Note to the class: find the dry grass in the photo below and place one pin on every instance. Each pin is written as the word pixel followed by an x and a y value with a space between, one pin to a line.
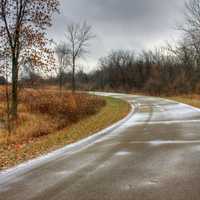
pixel 42 112
pixel 48 121
pixel 190 99
pixel 193 100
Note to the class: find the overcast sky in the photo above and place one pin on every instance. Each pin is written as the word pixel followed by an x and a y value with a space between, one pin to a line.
pixel 127 24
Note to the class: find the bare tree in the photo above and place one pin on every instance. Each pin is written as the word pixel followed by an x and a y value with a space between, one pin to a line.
pixel 78 36
pixel 191 29
pixel 62 53
pixel 22 34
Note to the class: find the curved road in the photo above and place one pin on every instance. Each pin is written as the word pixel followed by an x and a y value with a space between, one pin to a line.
pixel 154 155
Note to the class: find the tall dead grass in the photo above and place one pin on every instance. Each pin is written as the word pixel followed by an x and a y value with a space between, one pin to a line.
pixel 192 99
pixel 43 112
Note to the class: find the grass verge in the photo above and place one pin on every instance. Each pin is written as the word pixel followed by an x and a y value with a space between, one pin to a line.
pixel 190 99
pixel 113 111
pixel 193 100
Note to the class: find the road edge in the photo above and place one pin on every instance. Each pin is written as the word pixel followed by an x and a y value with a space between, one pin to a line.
pixel 24 167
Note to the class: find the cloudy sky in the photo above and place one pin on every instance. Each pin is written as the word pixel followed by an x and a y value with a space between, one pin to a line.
pixel 127 24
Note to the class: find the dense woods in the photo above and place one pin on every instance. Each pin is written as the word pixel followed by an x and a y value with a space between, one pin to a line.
pixel 172 69
pixel 156 72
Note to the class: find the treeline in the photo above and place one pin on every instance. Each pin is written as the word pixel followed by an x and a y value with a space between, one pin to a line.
pixel 165 71
pixel 162 71
pixel 156 72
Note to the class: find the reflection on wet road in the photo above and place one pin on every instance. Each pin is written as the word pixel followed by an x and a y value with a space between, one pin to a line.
pixel 154 155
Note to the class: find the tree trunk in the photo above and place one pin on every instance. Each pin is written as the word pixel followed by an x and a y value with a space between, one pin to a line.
pixel 73 76
pixel 14 103
pixel 8 104
pixel 61 82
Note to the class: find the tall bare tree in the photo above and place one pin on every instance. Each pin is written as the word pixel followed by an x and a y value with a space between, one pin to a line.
pixel 78 36
pixel 22 34
pixel 191 28
pixel 62 53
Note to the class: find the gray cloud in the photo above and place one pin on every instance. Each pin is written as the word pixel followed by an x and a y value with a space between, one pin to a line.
pixel 128 24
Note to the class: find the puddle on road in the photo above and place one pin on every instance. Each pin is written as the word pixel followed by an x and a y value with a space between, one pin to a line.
pixel 122 153
pixel 140 184
pixel 164 142
pixel 64 173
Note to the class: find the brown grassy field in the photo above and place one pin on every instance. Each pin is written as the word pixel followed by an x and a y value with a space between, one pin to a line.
pixel 42 112
pixel 190 99
pixel 48 120
pixel 193 100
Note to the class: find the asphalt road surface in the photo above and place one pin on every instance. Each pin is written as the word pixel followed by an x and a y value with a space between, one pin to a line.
pixel 154 155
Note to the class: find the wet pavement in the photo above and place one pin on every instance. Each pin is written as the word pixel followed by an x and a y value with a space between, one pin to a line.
pixel 154 155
